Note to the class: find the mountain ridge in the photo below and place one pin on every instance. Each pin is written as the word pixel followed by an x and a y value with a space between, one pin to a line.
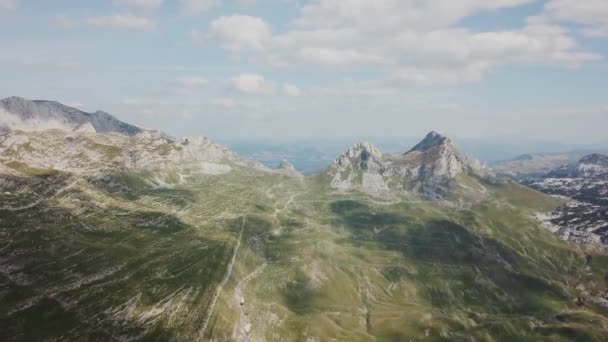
pixel 18 113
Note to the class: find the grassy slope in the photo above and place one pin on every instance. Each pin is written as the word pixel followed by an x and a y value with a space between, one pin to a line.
pixel 125 260
pixel 353 269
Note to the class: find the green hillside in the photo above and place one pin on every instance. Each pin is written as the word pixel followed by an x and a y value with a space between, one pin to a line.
pixel 265 257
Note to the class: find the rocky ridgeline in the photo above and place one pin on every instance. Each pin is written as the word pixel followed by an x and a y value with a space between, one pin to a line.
pixel 584 218
pixel 430 168
pixel 88 154
pixel 21 114
pixel 40 136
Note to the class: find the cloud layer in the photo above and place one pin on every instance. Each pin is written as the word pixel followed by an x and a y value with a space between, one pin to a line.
pixel 412 42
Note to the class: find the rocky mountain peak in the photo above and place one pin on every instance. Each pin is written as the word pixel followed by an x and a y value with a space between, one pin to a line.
pixel 431 140
pixel 430 168
pixel 362 155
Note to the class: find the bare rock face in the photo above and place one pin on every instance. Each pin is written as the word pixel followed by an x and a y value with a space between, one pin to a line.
pixel 363 156
pixel 21 114
pixel 361 167
pixel 436 158
pixel 428 168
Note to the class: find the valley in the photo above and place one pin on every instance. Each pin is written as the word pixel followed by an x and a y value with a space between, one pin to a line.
pixel 189 242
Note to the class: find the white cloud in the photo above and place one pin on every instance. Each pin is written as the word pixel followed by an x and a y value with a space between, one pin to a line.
pixel 121 21
pixel 592 14
pixel 292 90
pixel 191 82
pixel 8 4
pixel 197 6
pixel 410 41
pixel 394 14
pixel 140 4
pixel 240 32
pixel 252 84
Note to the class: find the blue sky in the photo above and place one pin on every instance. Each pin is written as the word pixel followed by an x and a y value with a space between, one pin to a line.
pixel 288 70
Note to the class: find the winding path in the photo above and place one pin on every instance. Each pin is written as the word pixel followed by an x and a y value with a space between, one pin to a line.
pixel 221 285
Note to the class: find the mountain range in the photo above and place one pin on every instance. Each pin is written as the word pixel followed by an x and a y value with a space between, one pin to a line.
pixel 112 232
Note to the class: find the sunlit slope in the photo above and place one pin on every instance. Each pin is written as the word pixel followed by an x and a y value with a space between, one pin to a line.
pixel 252 255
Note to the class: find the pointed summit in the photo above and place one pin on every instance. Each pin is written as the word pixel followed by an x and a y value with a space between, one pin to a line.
pixel 360 167
pixel 361 155
pixel 431 140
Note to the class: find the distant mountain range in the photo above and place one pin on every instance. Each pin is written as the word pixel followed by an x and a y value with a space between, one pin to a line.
pixel 21 114
pixel 536 165
pixel 584 218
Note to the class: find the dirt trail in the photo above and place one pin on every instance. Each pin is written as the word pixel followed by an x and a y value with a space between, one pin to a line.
pixel 221 285
pixel 243 327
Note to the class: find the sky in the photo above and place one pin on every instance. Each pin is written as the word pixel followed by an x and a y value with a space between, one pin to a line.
pixel 283 70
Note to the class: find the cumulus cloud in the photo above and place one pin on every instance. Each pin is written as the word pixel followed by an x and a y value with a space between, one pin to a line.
pixel 121 21
pixel 139 4
pixel 240 32
pixel 252 84
pixel 591 14
pixel 8 4
pixel 411 41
